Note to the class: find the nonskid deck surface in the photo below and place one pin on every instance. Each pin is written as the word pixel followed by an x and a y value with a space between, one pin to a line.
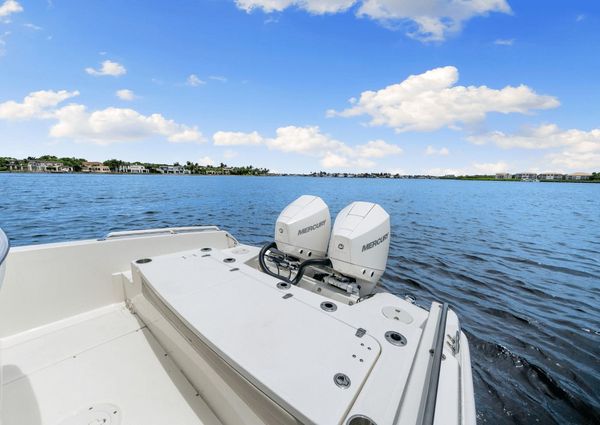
pixel 103 364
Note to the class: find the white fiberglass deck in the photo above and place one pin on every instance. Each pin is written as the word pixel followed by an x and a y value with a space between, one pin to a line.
pixel 104 360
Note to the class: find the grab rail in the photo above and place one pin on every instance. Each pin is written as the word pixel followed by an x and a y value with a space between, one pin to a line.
pixel 157 232
pixel 434 371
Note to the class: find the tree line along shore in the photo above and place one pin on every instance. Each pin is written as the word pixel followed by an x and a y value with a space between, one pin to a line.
pixel 53 164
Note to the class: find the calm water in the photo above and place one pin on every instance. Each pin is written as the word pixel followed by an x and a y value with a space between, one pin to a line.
pixel 520 262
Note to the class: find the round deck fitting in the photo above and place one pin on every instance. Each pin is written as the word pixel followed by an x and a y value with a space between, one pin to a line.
pixel 395 338
pixel 360 420
pixel 206 249
pixel 328 306
pixel 229 260
pixel 341 380
pixel 283 285
pixel 143 261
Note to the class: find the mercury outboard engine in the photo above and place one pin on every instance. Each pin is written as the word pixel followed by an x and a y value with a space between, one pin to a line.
pixel 303 228
pixel 360 243
pixel 301 233
pixel 352 258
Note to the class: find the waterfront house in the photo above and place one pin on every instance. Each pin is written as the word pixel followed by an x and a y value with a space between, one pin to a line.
pixel 16 165
pixel 133 169
pixel 94 167
pixel 48 167
pixel 550 176
pixel 503 176
pixel 173 169
pixel 525 176
pixel 579 176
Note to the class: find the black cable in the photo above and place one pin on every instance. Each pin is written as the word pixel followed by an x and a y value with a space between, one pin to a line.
pixel 301 268
pixel 308 263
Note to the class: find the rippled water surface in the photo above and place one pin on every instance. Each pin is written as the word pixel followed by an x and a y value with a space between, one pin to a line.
pixel 520 262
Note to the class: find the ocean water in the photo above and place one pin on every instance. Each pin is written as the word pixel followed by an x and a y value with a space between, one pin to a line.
pixel 519 262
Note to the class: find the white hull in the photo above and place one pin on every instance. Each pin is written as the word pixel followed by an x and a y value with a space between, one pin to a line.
pixel 190 339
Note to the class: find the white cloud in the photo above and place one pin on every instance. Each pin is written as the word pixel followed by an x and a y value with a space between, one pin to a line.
pixel 39 104
pixel 125 94
pixel 306 140
pixel 433 151
pixel 377 149
pixel 578 149
pixel 9 7
pixel 233 138
pixel 490 167
pixel 206 160
pixel 194 81
pixel 430 20
pixel 430 101
pixel 103 127
pixel 580 17
pixel 112 125
pixel 312 142
pixel 504 42
pixel 33 26
pixel 218 78
pixel 108 67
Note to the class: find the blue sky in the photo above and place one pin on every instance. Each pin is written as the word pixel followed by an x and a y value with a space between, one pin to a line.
pixel 439 86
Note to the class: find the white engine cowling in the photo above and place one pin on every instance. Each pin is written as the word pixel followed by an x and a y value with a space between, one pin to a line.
pixel 303 228
pixel 360 243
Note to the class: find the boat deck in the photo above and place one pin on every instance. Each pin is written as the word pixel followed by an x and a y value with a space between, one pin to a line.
pixel 100 365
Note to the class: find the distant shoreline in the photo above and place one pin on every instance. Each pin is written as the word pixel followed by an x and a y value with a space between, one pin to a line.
pixel 340 176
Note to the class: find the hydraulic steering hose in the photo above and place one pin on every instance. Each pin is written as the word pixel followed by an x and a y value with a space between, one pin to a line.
pixel 301 268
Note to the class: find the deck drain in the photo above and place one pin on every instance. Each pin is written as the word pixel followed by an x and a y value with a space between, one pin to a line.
pixel 395 338
pixel 328 306
pixel 143 261
pixel 341 380
pixel 360 420
pixel 97 414
pixel 229 260
pixel 206 249
pixel 283 285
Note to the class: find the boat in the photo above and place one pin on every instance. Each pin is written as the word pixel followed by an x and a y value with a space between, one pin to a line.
pixel 187 325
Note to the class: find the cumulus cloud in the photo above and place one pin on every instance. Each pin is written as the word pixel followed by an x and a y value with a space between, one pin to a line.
pixel 107 68
pixel 433 151
pixel 311 141
pixel 377 149
pixel 206 160
pixel 194 81
pixel 577 149
pixel 430 20
pixel 9 7
pixel 430 101
pixel 38 104
pixel 125 94
pixel 235 138
pixel 103 127
pixel 112 125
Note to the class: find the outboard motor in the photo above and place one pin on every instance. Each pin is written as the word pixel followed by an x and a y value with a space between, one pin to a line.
pixel 303 228
pixel 352 257
pixel 302 235
pixel 360 243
